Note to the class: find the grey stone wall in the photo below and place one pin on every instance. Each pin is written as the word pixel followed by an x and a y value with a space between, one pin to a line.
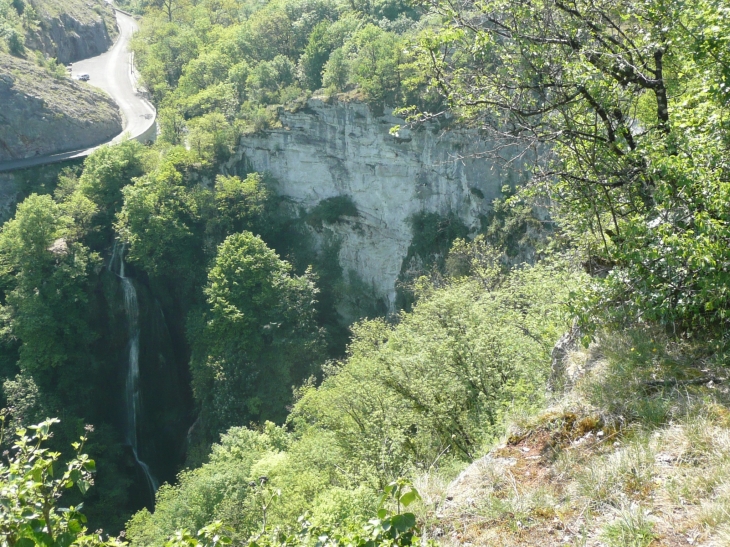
pixel 326 150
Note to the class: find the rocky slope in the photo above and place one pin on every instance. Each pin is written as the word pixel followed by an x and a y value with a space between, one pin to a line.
pixel 636 453
pixel 69 30
pixel 45 115
pixel 345 149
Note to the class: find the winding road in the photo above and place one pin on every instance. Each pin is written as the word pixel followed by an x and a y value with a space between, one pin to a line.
pixel 112 72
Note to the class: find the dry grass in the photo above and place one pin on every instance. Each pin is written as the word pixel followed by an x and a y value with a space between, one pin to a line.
pixel 622 460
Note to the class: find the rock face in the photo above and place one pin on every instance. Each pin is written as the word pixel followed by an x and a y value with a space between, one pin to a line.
pixel 70 30
pixel 43 115
pixel 345 149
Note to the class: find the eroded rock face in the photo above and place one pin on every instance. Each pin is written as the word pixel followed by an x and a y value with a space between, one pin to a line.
pixel 43 115
pixel 73 30
pixel 344 149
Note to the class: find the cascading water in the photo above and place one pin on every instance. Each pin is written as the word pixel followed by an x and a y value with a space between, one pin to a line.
pixel 132 387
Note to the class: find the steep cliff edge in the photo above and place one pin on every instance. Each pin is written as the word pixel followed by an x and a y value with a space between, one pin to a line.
pixel 45 115
pixel 344 149
pixel 70 30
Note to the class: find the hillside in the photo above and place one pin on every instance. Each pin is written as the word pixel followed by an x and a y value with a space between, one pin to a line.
pixel 43 114
pixel 71 30
pixel 636 454
pixel 393 275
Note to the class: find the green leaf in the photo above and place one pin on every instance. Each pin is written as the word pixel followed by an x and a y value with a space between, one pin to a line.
pixel 409 497
pixel 83 486
pixel 403 523
pixel 74 526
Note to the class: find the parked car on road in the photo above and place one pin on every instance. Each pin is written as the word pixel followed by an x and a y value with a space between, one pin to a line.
pixel 83 77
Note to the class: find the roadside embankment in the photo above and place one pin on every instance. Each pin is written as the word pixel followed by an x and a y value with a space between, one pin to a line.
pixel 42 115
pixel 71 30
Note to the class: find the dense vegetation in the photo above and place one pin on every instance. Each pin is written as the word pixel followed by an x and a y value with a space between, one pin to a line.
pixel 220 69
pixel 13 16
pixel 286 438
pixel 187 243
pixel 25 28
pixel 632 99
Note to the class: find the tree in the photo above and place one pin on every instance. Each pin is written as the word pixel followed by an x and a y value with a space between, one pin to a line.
pixel 239 204
pixel 106 172
pixel 47 275
pixel 623 101
pixel 315 56
pixel 256 336
pixel 161 221
pixel 377 65
pixel 336 72
pixel 212 137
pixel 170 7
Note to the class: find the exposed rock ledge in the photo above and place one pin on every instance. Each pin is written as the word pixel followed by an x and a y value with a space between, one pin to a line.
pixel 327 150
pixel 42 115
pixel 72 29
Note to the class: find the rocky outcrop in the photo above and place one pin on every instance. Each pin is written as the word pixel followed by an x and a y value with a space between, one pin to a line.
pixel 563 375
pixel 71 30
pixel 345 149
pixel 43 115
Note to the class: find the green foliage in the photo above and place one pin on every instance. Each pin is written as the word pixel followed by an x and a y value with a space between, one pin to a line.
pixel 46 269
pixel 217 490
pixel 212 137
pixel 161 219
pixel 440 379
pixel 12 33
pixel 429 390
pixel 256 337
pixel 331 211
pixel 433 235
pixel 315 55
pixel 232 59
pixel 239 202
pixel 513 225
pixel 52 66
pixel 23 402
pixel 105 173
pixel 629 98
pixel 377 63
pixel 631 529
pixel 56 321
pixel 336 71
pixel 391 527
pixel 31 483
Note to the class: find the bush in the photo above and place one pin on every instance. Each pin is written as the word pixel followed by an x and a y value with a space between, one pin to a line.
pixel 331 211
pixel 31 482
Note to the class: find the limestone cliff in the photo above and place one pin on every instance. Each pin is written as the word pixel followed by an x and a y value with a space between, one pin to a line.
pixel 345 149
pixel 43 115
pixel 70 30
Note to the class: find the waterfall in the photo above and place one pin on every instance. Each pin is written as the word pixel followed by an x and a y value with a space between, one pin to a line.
pixel 132 388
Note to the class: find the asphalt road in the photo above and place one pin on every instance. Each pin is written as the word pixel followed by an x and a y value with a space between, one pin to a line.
pixel 112 72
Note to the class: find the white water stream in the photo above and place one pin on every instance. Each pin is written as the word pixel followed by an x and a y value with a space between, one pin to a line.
pixel 132 393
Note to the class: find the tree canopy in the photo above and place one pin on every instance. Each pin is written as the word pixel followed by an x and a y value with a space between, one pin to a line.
pixel 625 102
pixel 257 337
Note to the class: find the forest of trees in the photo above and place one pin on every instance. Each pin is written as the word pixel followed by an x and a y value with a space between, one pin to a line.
pixel 280 425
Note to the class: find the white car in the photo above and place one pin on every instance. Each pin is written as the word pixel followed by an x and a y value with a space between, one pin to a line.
pixel 83 77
